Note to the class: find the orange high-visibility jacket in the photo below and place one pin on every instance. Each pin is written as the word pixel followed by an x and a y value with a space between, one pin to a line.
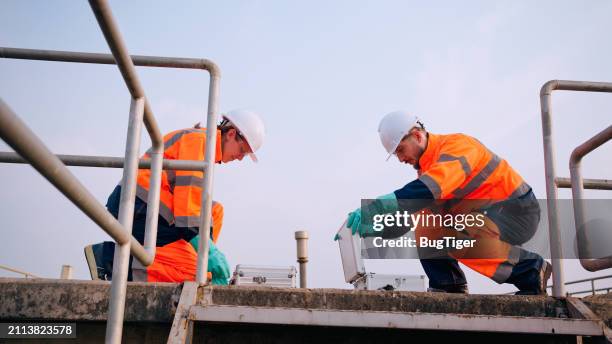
pixel 181 191
pixel 458 166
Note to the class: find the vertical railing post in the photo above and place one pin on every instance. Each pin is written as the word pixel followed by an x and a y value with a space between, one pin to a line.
pixel 209 158
pixel 556 250
pixel 587 260
pixel 114 325
pixel 551 191
pixel 150 239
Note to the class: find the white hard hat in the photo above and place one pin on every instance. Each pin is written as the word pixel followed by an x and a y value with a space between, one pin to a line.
pixel 393 127
pixel 250 126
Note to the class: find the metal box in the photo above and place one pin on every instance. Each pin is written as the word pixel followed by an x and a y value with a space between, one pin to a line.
pixel 350 252
pixel 374 281
pixel 355 272
pixel 264 276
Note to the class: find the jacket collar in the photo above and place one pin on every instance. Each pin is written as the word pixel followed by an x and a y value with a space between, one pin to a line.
pixel 426 160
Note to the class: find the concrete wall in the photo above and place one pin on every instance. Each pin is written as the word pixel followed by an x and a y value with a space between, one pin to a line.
pixel 150 310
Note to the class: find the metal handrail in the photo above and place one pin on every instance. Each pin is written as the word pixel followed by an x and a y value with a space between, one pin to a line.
pixel 588 279
pixel 592 184
pixel 549 168
pixel 29 146
pixel 593 290
pixel 151 61
pixel 577 194
pixel 17 135
pixel 109 162
pixel 17 271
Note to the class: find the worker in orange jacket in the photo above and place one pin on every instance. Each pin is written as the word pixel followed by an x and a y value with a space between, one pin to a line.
pixel 458 175
pixel 240 133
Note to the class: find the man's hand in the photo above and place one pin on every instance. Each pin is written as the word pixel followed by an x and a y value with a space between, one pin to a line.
pixel 381 205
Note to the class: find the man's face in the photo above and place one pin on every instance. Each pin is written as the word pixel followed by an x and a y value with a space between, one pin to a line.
pixel 411 148
pixel 234 146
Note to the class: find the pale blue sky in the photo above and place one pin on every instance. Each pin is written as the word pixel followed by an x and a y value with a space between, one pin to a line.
pixel 322 74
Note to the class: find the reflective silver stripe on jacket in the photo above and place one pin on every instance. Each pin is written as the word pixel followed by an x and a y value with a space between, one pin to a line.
pixel 189 181
pixel 504 270
pixel 462 160
pixel 520 191
pixel 187 221
pixel 432 185
pixel 171 175
pixel 479 178
pixel 172 140
pixel 164 211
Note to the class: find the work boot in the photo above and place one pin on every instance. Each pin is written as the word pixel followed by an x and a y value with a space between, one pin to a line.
pixel 540 282
pixel 100 268
pixel 454 289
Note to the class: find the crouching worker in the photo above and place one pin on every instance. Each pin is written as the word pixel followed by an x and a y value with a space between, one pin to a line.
pixel 240 133
pixel 454 171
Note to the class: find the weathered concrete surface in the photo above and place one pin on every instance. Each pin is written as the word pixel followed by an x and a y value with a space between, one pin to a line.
pixel 84 300
pixel 156 302
pixel 601 305
pixel 150 310
pixel 535 306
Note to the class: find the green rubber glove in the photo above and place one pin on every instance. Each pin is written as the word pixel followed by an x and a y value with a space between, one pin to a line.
pixel 381 205
pixel 353 221
pixel 388 203
pixel 195 242
pixel 217 263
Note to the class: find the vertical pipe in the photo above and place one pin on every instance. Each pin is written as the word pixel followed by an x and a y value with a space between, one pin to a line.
pixel 209 158
pixel 150 237
pixel 579 218
pixel 114 325
pixel 551 190
pixel 157 157
pixel 577 184
pixel 66 272
pixel 593 286
pixel 301 239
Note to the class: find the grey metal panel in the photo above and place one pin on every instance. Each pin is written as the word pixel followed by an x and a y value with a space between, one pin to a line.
pixel 350 253
pixel 376 319
pixel 375 281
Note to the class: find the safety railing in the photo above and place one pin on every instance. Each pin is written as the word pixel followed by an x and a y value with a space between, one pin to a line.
pixel 552 182
pixel 593 290
pixel 31 149
pixel 17 271
pixel 577 191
